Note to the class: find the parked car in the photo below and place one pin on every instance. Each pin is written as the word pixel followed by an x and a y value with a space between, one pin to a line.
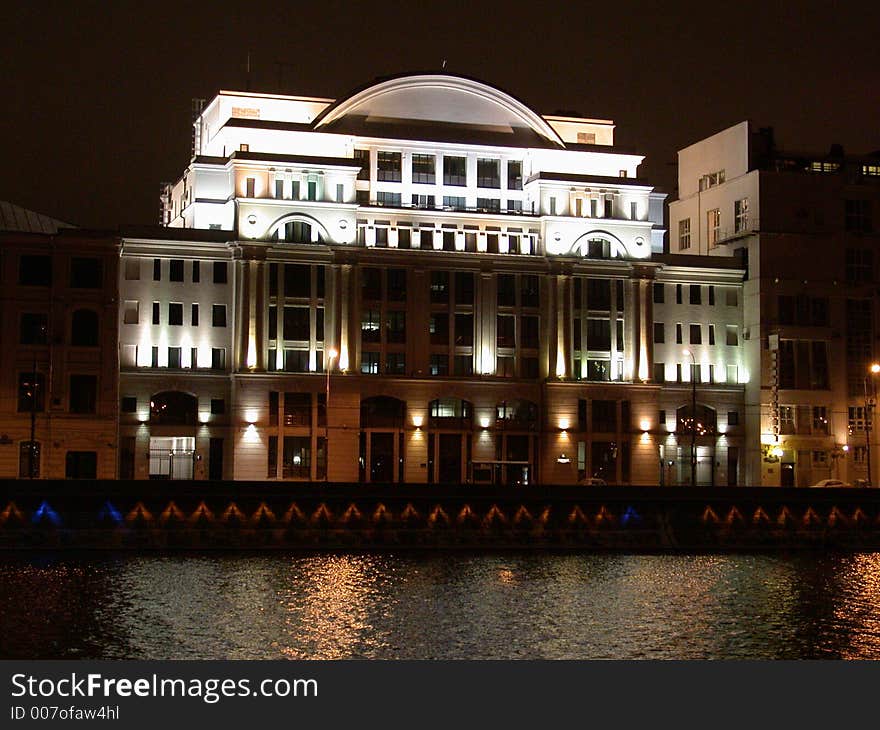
pixel 594 482
pixel 830 483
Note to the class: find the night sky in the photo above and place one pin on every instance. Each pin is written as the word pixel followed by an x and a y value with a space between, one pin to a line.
pixel 96 96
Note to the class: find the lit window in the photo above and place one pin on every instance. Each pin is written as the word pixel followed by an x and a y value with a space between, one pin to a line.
pixel 713 225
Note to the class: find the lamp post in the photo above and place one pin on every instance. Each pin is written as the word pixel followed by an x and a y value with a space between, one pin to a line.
pixel 693 417
pixel 869 406
pixel 331 356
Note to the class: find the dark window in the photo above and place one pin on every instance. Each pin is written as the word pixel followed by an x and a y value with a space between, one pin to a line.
pixel 362 157
pixel 696 294
pixel 659 293
pixel 396 327
pixel 439 365
pixel 218 315
pixel 659 372
pixel 464 287
pixel 491 205
pixel 464 330
pixel 194 315
pixel 678 293
pixel 218 358
pixel 86 273
pixel 395 363
pixel 29 459
pixel 605 416
pixel 488 173
pixel 220 274
pixel 175 313
pixel 440 287
pixel 711 296
pixel 696 334
pixel 297 280
pixel 33 329
pixel 157 269
pixel 84 328
pixel 659 332
pixel 530 331
pixel 733 418
pixel 218 406
pixel 175 270
pixel 128 404
pixel 371 284
pixel 83 393
pixel 506 290
pixel 272 454
pixel 438 327
pixel 514 175
pixel 196 273
pixel 388 166
pixel 598 334
pixel 81 465
pixel 463 365
pixel 423 169
pixel 396 285
pixel 506 328
pixel 34 270
pixel 454 171
pixel 529 290
pixel 31 392
pixel 174 355
pixel 296 323
pixel 599 294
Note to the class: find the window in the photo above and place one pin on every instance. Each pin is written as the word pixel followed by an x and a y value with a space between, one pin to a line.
pixel 154 356
pixel 731 299
pixel 84 328
pixel 696 337
pixel 454 201
pixel 514 175
pixel 175 270
pixel 712 179
pixel 659 332
pixel 370 327
pixel 396 285
pixel 514 206
pixel 678 298
pixel 504 366
pixel 155 312
pixel 820 419
pixel 218 315
pixel 132 270
pixel 856 419
pixel 383 197
pixel 552 205
pixel 464 287
pixel 488 173
pixel 711 334
pixel 586 137
pixel 598 334
pixel 157 269
pixel 128 404
pixel 29 459
pixel 454 171
pixel 218 358
pixel 220 276
pixel 296 323
pixel 83 393
pixel 439 365
pixel 713 226
pixel 820 458
pixel 423 169
pixel 34 270
pixel 33 329
pixel 529 290
pixel 340 192
pixel 740 215
pixel 659 293
pixel 175 313
pixel 395 363
pixel 388 167
pixel 174 355
pixel 218 406
pixel 659 372
pixel 732 335
pixel 506 330
pixel 529 331
pixel 859 265
pixel 196 272
pixel 422 201
pixel 678 337
pixel 684 234
pixel 439 287
pixel 250 187
pixel 696 292
pixel 362 157
pixel 370 363
pixel 86 273
pixel 491 205
pixel 463 365
pixel 31 392
pixel 858 216
pixel 279 188
pixel 194 315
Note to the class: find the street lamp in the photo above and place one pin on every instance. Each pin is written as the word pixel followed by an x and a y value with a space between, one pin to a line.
pixel 332 354
pixel 869 405
pixel 693 417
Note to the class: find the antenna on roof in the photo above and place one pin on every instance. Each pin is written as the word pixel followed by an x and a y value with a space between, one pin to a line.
pixel 443 65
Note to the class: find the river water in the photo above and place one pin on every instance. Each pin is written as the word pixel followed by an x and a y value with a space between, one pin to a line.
pixel 442 605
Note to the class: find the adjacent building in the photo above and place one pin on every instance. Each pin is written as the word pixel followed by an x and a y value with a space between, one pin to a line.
pixel 58 364
pixel 426 281
pixel 802 226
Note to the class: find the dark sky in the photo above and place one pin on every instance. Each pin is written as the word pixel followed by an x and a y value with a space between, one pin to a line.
pixel 96 96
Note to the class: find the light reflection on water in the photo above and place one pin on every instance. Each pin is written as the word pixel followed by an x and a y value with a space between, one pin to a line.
pixel 336 606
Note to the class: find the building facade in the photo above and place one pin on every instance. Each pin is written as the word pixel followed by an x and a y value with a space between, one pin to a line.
pixel 426 282
pixel 59 404
pixel 802 227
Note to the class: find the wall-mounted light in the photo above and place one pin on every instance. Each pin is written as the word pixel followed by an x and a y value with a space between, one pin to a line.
pixel 777 452
pixel 343 225
pixel 484 422
pixel 645 425
pixel 417 421
pixel 252 219
pixel 250 417
pixel 564 424
pixel 563 458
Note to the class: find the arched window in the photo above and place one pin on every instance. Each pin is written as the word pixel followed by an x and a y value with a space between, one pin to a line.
pixel 173 408
pixel 705 423
pixel 382 411
pixel 84 328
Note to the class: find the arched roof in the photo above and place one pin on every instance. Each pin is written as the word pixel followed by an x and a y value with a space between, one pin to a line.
pixel 434 106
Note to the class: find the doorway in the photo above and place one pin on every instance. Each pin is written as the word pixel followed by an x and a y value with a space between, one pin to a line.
pixel 787 477
pixel 449 468
pixel 381 457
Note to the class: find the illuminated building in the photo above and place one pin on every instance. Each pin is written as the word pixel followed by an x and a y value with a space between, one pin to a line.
pixel 58 359
pixel 802 226
pixel 487 276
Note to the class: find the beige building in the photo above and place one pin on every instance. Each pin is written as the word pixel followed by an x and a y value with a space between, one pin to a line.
pixel 802 226
pixel 59 406
pixel 426 282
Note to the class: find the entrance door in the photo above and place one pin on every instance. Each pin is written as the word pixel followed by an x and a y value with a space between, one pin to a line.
pixel 449 468
pixel 381 457
pixel 787 479
pixel 215 459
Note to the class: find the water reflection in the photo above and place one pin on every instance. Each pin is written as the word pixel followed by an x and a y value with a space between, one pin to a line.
pixel 440 606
